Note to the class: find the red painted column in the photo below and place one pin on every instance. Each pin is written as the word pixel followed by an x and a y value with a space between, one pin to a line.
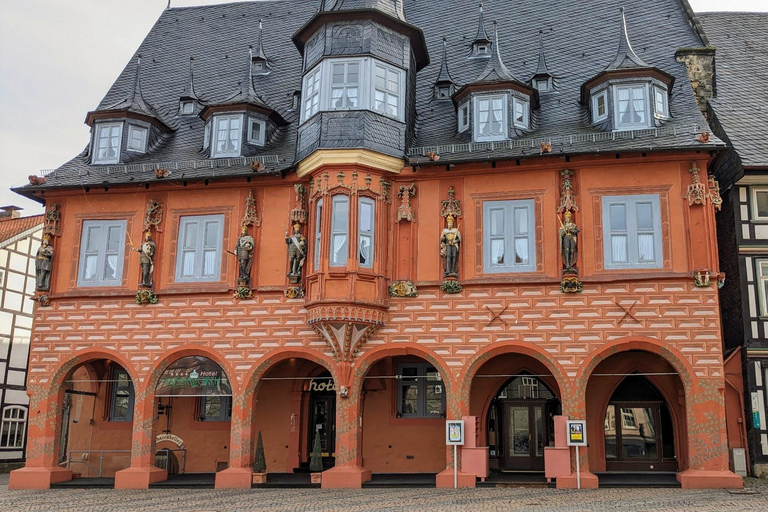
pixel 708 458
pixel 349 471
pixel 142 471
pixel 575 408
pixel 43 430
pixel 239 473
pixel 457 405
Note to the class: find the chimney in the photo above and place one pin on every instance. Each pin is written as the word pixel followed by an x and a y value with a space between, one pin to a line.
pixel 10 212
pixel 700 64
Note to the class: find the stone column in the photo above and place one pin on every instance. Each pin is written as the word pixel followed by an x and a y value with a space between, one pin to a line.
pixel 43 431
pixel 708 458
pixel 455 408
pixel 575 408
pixel 142 471
pixel 238 474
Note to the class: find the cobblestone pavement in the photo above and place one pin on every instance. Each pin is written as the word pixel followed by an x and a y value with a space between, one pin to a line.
pixel 411 500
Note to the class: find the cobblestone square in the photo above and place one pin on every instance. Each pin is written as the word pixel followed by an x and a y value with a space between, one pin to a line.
pixel 754 498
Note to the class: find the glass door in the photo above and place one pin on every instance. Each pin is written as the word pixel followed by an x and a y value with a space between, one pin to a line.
pixel 524 437
pixel 323 424
pixel 635 437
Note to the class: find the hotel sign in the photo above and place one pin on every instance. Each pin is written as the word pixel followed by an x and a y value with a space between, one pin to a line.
pixel 193 376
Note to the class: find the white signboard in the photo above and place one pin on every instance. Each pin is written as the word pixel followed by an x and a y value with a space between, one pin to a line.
pixel 454 432
pixel 577 432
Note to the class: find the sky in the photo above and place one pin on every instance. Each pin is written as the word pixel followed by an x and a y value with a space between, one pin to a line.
pixel 58 58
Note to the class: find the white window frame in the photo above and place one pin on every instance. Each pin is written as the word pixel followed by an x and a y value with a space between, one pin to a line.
pixel 13 428
pixel 102 252
pixel 262 131
pixel 339 232
pixel 366 235
pixel 217 121
pixel 631 232
pixel 318 231
pixel 311 93
pixel 386 91
pixel 509 235
pixel 663 110
pixel 463 124
pixel 186 103
pixel 753 200
pixel 421 380
pixel 207 135
pixel 646 106
pixel 199 248
pixel 762 280
pixel 97 139
pixel 542 85
pixel 476 117
pixel 596 116
pixel 143 132
pixel 517 102
pixel 345 87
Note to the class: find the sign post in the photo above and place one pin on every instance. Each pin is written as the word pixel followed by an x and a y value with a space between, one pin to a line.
pixel 454 435
pixel 577 436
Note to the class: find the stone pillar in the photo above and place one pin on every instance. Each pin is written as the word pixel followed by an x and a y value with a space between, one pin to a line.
pixel 43 431
pixel 142 471
pixel 349 472
pixel 575 408
pixel 708 458
pixel 239 473
pixel 455 409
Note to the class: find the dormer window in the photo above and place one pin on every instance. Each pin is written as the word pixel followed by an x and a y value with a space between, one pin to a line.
pixel 631 109
pixel 660 102
pixel 226 136
pixel 463 117
pixel 600 106
pixel 521 112
pixel 542 84
pixel 483 49
pixel 259 67
pixel 491 118
pixel 443 92
pixel 137 139
pixel 107 143
pixel 345 84
pixel 186 107
pixel 256 130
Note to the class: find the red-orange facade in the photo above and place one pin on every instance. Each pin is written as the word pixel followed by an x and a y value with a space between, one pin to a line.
pixel 657 323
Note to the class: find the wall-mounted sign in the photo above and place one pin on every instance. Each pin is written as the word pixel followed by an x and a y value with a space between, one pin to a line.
pixel 170 438
pixel 322 384
pixel 193 376
pixel 577 432
pixel 755 410
pixel 454 432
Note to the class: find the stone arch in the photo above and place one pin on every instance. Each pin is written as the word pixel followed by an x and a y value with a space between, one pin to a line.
pixel 85 356
pixel 279 355
pixel 476 362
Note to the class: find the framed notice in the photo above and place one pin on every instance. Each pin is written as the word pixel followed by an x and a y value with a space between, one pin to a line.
pixel 454 432
pixel 577 432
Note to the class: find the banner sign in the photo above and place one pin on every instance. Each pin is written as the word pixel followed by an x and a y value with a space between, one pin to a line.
pixel 577 432
pixel 193 376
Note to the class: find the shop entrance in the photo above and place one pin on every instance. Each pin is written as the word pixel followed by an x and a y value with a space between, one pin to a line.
pixel 639 432
pixel 520 424
pixel 322 421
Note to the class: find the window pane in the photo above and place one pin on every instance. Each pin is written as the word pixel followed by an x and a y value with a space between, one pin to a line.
pixel 601 105
pixel 645 248
pixel 211 234
pixel 190 235
pixel 93 239
pixel 619 248
pixel 761 198
pixel 644 216
pixel 209 263
pixel 434 399
pixel 638 104
pixel 255 131
pixel 340 213
pixel 89 274
pixel 365 258
pixel 188 264
pixel 497 251
pixel 366 216
pixel 318 232
pixel 110 267
pixel 618 217
pixel 337 74
pixel 521 221
pixel 339 250
pixel 409 404
pixel 353 72
pixel 114 235
pixel 497 222
pixel 638 433
pixel 521 250
pixel 610 433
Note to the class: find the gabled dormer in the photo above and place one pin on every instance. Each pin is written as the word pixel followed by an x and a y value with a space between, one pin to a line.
pixel 189 103
pixel 241 124
pixel 481 46
pixel 360 59
pixel 628 94
pixel 444 85
pixel 496 106
pixel 542 80
pixel 124 130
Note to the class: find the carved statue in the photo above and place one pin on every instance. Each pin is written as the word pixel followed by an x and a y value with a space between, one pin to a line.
pixel 450 243
pixel 146 260
pixel 297 253
pixel 43 265
pixel 244 253
pixel 568 241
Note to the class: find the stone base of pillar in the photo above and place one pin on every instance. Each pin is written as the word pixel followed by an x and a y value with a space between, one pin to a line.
pixel 700 479
pixel 234 478
pixel 588 481
pixel 345 477
pixel 444 479
pixel 139 478
pixel 37 477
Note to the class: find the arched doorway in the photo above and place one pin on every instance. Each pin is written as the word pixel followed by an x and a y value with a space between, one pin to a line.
pixel 520 423
pixel 639 432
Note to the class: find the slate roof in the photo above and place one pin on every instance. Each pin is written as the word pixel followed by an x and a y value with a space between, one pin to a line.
pixel 581 38
pixel 741 102
pixel 9 228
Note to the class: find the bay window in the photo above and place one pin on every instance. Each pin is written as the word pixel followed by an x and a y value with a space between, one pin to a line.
pixel 107 143
pixel 631 109
pixel 227 131
pixel 318 231
pixel 339 230
pixel 490 118
pixel 386 90
pixel 366 216
pixel 345 83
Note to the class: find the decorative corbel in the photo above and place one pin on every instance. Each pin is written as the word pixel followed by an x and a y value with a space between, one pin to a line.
pixel 153 215
pixel 299 212
pixel 696 192
pixel 405 210
pixel 714 193
pixel 52 220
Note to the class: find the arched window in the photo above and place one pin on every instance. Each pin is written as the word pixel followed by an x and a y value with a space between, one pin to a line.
pixel 13 427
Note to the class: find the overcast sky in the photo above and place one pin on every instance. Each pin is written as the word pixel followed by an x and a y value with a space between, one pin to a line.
pixel 58 58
